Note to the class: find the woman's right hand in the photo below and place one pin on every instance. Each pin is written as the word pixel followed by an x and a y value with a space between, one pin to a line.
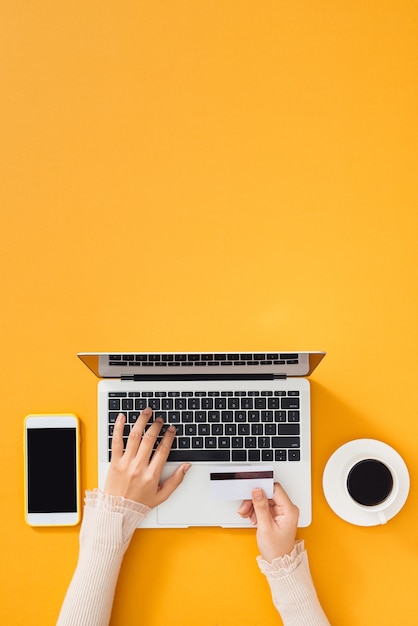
pixel 276 521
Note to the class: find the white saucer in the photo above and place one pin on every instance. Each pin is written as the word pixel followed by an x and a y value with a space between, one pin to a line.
pixel 335 477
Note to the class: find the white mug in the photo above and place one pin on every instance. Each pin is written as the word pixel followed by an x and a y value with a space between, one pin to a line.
pixel 372 484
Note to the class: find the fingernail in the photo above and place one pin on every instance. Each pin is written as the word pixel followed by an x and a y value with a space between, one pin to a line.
pixel 258 494
pixel 172 428
pixel 186 468
pixel 120 417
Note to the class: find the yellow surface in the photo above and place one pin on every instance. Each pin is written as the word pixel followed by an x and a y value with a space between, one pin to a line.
pixel 221 176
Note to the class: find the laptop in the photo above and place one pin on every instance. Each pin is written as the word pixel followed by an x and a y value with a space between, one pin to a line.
pixel 229 408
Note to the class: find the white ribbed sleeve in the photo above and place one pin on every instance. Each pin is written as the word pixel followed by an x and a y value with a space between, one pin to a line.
pixel 106 531
pixel 292 589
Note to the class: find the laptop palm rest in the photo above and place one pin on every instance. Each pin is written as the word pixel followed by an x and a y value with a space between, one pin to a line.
pixel 196 503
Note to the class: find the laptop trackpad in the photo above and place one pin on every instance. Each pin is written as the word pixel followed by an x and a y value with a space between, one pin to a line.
pixel 193 504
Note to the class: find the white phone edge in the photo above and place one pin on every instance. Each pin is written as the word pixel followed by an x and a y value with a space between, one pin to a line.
pixel 49 420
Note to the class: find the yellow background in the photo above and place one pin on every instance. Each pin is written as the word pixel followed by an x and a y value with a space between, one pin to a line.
pixel 211 175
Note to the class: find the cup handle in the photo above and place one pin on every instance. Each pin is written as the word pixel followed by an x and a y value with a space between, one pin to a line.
pixel 382 517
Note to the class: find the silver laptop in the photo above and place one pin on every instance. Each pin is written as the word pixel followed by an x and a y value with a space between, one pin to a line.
pixel 230 408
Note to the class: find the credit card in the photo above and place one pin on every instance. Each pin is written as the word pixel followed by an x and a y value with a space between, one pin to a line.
pixel 236 482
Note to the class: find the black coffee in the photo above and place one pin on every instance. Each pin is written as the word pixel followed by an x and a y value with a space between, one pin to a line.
pixel 369 482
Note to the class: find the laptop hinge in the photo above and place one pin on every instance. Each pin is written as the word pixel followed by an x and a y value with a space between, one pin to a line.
pixel 279 376
pixel 199 377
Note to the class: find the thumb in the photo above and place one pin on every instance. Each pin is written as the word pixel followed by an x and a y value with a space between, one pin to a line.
pixel 261 508
pixel 172 482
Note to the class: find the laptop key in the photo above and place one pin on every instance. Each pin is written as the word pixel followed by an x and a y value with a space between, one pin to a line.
pixel 246 403
pixel 280 416
pixel 285 442
pixel 290 403
pixel 264 442
pixel 193 404
pixel 194 455
pixel 140 404
pixel 288 429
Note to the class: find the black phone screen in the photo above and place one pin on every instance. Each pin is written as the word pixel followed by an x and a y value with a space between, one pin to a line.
pixel 52 470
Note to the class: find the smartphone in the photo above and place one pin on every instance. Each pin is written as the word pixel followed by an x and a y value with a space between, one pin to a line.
pixel 52 476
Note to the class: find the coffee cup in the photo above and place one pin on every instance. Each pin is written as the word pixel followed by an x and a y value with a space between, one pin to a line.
pixel 366 482
pixel 372 485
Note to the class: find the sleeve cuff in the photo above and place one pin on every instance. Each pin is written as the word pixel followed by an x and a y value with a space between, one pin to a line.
pixel 283 565
pixel 132 512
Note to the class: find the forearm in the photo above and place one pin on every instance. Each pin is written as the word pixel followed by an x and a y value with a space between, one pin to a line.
pixel 107 528
pixel 293 590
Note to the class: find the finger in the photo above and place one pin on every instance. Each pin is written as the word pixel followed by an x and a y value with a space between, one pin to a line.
pixel 117 438
pixel 281 499
pixel 143 419
pixel 261 508
pixel 172 482
pixel 147 443
pixel 135 436
pixel 245 508
pixel 163 449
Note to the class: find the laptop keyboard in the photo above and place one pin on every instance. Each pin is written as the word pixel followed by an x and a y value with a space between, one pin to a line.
pixel 205 359
pixel 218 426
